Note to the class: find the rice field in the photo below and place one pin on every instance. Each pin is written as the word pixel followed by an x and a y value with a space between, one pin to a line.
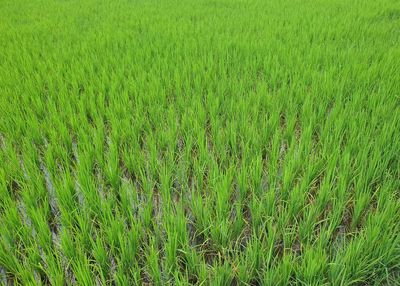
pixel 208 142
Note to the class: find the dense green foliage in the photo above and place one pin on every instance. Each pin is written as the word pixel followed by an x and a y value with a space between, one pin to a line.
pixel 209 142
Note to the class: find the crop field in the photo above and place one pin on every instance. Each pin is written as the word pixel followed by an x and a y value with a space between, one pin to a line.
pixel 208 142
